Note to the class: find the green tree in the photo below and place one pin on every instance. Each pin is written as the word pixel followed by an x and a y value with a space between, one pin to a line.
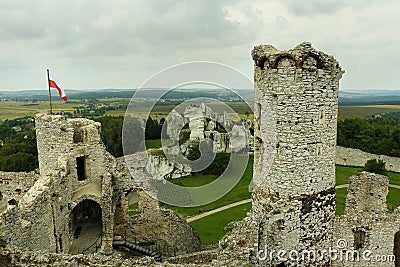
pixel 194 151
pixel 111 133
pixel 18 162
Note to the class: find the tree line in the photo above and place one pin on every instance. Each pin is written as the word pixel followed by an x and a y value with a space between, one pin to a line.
pixel 18 151
pixel 379 134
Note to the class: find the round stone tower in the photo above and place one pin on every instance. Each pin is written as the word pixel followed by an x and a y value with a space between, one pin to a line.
pixel 296 105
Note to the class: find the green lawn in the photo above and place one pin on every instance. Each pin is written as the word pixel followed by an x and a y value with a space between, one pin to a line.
pixel 194 180
pixel 239 192
pixel 394 178
pixel 341 194
pixel 343 174
pixel 211 228
pixel 153 143
pixel 393 199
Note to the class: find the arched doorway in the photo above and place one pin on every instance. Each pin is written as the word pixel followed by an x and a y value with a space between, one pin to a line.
pixel 396 248
pixel 85 227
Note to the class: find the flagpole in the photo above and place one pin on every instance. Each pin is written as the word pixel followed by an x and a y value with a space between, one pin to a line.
pixel 48 83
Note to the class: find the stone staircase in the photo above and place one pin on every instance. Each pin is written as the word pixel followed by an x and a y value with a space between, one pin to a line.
pixel 137 248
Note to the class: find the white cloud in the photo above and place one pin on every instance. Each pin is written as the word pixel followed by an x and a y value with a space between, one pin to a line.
pixel 121 43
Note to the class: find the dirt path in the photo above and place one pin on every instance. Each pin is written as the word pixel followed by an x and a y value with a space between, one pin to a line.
pixel 194 218
pixel 347 185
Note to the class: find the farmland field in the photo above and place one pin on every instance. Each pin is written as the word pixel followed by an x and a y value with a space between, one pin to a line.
pixel 162 111
pixel 13 109
pixel 365 111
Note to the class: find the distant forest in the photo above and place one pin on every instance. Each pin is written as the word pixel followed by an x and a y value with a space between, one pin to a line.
pixel 379 134
pixel 18 150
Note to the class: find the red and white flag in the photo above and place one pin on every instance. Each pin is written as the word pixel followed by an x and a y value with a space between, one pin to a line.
pixel 54 84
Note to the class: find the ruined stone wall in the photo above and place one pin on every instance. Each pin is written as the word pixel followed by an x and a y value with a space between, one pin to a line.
pixel 13 185
pixel 29 225
pixel 162 168
pixel 296 103
pixel 60 143
pixel 169 232
pixel 41 220
pixel 165 228
pixel 355 157
pixel 33 259
pixel 366 225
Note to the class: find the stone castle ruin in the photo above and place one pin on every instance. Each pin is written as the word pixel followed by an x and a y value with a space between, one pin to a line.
pixel 78 201
pixel 293 201
pixel 80 189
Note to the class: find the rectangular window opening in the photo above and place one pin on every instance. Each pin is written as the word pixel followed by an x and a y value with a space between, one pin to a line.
pixel 359 239
pixel 81 168
pixel 78 136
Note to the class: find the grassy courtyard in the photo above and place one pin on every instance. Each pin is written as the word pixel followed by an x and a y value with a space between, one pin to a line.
pixel 239 192
pixel 211 228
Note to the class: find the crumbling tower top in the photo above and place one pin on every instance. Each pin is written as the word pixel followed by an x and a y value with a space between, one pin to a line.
pixel 58 136
pixel 304 56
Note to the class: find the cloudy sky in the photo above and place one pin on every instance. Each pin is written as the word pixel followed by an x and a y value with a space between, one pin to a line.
pixel 119 44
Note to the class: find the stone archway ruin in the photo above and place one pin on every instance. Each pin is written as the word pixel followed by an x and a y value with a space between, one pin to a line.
pixel 85 227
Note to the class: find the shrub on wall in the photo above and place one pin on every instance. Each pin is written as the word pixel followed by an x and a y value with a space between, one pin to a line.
pixel 375 166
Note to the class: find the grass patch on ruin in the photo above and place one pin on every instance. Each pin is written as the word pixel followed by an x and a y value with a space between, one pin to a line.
pixel 238 193
pixel 341 194
pixel 133 209
pixel 211 228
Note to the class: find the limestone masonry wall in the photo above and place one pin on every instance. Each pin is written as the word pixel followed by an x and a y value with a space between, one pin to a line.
pixel 13 185
pixel 355 157
pixel 79 179
pixel 296 104
pixel 366 225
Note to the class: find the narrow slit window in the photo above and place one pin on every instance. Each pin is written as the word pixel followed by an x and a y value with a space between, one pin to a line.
pixel 258 110
pixel 80 168
pixel 359 239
